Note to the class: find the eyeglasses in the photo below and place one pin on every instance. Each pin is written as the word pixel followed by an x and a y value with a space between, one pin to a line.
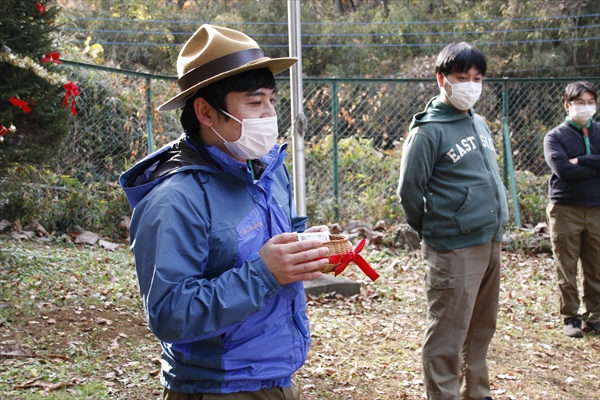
pixel 579 103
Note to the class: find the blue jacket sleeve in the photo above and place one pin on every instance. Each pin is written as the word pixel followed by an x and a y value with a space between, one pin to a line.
pixel 169 239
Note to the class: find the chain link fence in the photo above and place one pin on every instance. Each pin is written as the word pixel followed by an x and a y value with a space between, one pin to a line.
pixel 353 144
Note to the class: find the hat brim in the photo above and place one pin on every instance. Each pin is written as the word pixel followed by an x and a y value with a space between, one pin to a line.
pixel 276 65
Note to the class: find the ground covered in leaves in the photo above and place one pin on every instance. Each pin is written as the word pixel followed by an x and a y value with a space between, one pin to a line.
pixel 71 327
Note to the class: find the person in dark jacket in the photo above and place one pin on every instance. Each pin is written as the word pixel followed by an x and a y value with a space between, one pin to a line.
pixel 214 231
pixel 572 150
pixel 452 195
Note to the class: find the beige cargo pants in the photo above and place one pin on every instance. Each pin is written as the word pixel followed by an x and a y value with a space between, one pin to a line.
pixel 462 288
pixel 575 235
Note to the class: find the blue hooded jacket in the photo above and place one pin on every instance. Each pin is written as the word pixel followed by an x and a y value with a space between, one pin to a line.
pixel 199 219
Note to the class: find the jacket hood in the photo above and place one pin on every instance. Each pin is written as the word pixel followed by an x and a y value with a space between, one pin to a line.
pixel 177 156
pixel 438 111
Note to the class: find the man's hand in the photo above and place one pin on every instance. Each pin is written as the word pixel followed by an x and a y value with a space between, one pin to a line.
pixel 573 160
pixel 317 228
pixel 291 261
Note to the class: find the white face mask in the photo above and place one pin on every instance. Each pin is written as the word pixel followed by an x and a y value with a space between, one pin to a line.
pixel 581 113
pixel 258 137
pixel 464 94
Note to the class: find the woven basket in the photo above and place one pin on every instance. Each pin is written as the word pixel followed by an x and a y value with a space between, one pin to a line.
pixel 338 244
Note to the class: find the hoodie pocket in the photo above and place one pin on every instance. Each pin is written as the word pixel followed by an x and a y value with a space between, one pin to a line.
pixel 479 209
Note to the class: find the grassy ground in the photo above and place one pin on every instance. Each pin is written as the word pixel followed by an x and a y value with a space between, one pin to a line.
pixel 71 327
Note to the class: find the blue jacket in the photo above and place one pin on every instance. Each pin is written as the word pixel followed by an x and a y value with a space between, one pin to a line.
pixel 199 220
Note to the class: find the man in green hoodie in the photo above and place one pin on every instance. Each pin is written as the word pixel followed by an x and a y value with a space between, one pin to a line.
pixel 452 195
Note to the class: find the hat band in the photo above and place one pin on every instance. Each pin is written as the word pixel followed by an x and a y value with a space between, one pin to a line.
pixel 218 66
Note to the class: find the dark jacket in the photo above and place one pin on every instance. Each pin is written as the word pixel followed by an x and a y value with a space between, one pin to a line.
pixel 450 187
pixel 573 184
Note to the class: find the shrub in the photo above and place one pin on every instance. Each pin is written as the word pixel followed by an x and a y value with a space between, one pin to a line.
pixel 365 190
pixel 60 202
pixel 533 197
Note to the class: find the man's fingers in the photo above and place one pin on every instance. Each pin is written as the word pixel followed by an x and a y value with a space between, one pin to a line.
pixel 310 255
pixel 290 260
pixel 318 228
pixel 314 265
pixel 305 245
pixel 309 276
pixel 286 237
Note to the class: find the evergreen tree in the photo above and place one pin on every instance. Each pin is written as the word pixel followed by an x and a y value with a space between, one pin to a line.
pixel 36 101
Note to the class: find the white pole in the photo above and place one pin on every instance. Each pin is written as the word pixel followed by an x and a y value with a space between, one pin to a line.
pixel 299 122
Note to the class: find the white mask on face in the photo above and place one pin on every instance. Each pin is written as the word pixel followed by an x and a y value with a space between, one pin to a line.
pixel 258 137
pixel 581 113
pixel 464 94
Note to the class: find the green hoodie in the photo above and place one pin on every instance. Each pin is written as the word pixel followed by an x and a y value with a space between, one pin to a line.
pixel 450 187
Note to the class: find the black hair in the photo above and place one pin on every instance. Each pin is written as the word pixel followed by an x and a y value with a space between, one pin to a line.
pixel 576 89
pixel 215 93
pixel 460 57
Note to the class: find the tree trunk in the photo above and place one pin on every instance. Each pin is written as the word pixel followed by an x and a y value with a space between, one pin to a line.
pixel 338 7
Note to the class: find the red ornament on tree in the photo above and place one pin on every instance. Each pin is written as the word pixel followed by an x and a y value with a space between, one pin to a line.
pixel 4 130
pixel 52 57
pixel 41 9
pixel 71 90
pixel 20 104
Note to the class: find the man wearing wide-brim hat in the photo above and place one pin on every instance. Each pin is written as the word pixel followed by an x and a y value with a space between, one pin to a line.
pixel 214 231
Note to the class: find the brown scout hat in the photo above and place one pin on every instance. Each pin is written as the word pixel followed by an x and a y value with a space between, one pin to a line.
pixel 214 53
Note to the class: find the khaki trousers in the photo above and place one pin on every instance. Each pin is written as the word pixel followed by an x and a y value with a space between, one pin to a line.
pixel 575 235
pixel 276 393
pixel 462 288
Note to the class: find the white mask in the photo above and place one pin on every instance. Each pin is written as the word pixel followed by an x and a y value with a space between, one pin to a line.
pixel 464 94
pixel 258 137
pixel 581 113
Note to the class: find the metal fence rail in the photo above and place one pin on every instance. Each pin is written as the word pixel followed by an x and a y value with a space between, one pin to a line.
pixel 354 138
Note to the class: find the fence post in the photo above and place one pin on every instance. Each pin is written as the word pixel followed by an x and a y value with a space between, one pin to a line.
pixel 508 165
pixel 503 118
pixel 149 116
pixel 334 149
